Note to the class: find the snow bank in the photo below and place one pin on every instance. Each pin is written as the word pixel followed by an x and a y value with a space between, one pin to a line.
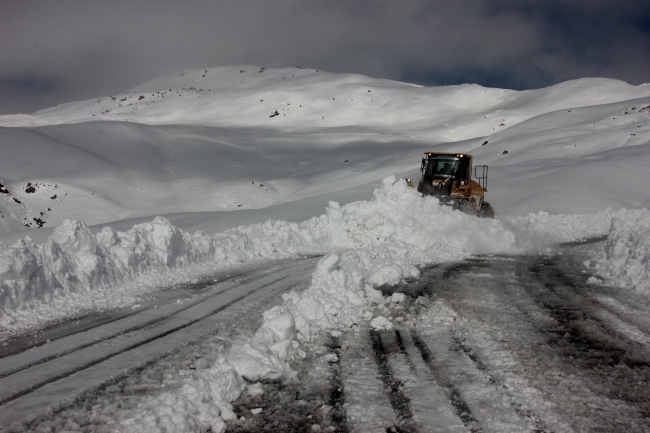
pixel 625 262
pixel 76 269
pixel 367 244
pixel 386 237
pixel 377 242
pixel 540 230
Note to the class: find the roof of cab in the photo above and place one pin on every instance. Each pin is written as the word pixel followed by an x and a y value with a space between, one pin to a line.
pixel 448 154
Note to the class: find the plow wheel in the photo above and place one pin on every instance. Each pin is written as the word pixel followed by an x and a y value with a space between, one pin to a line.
pixel 486 211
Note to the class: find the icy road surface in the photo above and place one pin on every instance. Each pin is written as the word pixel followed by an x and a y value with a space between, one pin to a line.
pixel 50 374
pixel 517 344
pixel 492 344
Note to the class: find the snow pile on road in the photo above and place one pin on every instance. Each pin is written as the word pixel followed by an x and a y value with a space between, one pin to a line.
pixel 378 242
pixel 625 262
pixel 75 268
pixel 368 244
pixel 540 230
pixel 343 290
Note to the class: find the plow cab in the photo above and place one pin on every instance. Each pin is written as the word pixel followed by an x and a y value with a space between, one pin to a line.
pixel 448 176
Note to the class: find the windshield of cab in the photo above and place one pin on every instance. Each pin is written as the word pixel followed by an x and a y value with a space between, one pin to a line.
pixel 445 166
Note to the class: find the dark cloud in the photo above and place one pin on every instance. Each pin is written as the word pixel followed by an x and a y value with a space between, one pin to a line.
pixel 54 52
pixel 22 94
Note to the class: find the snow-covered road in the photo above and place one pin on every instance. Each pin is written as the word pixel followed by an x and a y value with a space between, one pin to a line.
pixel 490 344
pixel 509 344
pixel 58 371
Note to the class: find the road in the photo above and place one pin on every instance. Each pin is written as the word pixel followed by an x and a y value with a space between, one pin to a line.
pixel 492 344
pixel 81 358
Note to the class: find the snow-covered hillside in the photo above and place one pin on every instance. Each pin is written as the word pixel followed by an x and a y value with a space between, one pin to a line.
pixel 111 190
pixel 203 143
pixel 307 100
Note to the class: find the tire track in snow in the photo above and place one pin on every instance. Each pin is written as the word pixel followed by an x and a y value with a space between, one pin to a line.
pixel 494 303
pixel 13 387
pixel 526 414
pixel 574 286
pixel 632 317
pixel 430 405
pixel 62 396
pixel 402 349
pixel 504 317
pixel 587 333
pixel 398 401
pixel 70 372
pixel 149 323
pixel 367 404
pixel 612 367
pixel 449 277
pixel 53 334
pixel 456 269
pixel 462 409
pixel 338 414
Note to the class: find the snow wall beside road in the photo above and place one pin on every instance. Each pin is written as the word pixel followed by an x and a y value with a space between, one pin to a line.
pixel 367 244
pixel 76 270
pixel 387 236
pixel 626 259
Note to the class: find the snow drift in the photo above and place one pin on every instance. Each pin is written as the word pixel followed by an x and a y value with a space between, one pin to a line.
pixel 75 268
pixel 367 244
pixel 541 230
pixel 386 238
pixel 379 242
pixel 625 261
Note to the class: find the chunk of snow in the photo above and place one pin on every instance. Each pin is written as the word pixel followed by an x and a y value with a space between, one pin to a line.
pixel 255 361
pixel 593 280
pixel 255 389
pixel 380 323
pixel 625 261
pixel 201 363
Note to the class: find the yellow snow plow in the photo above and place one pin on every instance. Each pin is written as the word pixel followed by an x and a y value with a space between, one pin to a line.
pixel 447 176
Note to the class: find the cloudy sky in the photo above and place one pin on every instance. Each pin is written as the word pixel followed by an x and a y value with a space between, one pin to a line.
pixel 55 51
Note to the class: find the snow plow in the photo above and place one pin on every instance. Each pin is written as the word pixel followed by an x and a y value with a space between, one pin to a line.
pixel 447 176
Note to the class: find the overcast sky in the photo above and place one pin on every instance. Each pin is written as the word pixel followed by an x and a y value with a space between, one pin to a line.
pixel 56 51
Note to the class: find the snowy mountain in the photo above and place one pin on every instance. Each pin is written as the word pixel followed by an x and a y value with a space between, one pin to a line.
pixel 294 178
pixel 203 143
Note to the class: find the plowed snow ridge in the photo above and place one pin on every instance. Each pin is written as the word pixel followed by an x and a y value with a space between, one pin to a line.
pixel 370 244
